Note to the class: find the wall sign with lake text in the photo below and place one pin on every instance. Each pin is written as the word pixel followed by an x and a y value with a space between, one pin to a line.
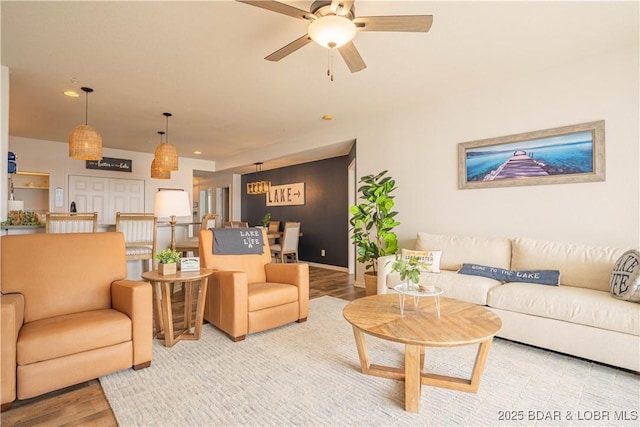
pixel 286 195
pixel 110 164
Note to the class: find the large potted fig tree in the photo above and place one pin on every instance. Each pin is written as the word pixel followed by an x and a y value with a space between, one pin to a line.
pixel 372 223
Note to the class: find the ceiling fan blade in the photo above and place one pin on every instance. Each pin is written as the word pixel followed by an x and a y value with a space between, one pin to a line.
pixel 289 49
pixel 341 7
pixel 352 57
pixel 412 23
pixel 278 7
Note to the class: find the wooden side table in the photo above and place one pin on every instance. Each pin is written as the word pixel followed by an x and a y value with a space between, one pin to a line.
pixel 162 301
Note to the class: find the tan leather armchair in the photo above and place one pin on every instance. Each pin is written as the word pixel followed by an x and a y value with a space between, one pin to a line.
pixel 249 294
pixel 68 313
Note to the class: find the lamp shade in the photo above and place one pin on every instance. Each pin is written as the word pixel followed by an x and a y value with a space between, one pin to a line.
pixel 166 157
pixel 85 143
pixel 332 31
pixel 172 203
pixel 157 173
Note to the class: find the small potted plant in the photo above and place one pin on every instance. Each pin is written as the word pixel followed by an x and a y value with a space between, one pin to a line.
pixel 169 260
pixel 265 220
pixel 410 270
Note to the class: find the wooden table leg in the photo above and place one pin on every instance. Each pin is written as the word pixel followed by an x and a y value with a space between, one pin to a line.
pixel 188 303
pixel 362 350
pixel 157 298
pixel 478 367
pixel 167 314
pixel 412 381
pixel 202 293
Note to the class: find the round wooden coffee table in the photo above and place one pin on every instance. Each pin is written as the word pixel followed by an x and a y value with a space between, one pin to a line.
pixel 459 324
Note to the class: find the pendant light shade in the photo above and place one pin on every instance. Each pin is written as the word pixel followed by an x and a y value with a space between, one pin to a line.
pixel 166 155
pixel 85 142
pixel 157 173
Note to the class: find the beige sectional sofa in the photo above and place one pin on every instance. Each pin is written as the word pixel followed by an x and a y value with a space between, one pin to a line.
pixel 579 317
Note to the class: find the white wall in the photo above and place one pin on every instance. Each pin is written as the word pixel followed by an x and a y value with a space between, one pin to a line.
pixel 602 213
pixel 35 155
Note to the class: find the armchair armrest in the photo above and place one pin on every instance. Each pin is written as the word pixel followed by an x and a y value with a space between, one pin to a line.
pixel 135 300
pixel 293 274
pixel 11 320
pixel 384 269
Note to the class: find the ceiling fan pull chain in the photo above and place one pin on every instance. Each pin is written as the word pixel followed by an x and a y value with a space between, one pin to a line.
pixel 330 64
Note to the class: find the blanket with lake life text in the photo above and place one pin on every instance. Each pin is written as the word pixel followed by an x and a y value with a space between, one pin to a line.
pixel 237 241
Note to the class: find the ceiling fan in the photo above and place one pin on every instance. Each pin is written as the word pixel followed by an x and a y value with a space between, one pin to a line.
pixel 333 24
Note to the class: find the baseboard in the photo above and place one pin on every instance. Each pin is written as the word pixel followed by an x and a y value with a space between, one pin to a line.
pixel 327 266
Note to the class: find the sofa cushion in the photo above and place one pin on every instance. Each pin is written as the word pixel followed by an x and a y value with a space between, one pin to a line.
pixel 571 304
pixel 430 259
pixel 70 334
pixel 471 289
pixel 625 277
pixel 580 266
pixel 457 250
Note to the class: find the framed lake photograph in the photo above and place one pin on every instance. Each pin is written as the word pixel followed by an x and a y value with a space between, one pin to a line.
pixel 561 155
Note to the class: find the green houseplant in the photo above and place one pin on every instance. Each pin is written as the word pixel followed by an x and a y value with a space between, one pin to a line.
pixel 372 223
pixel 169 260
pixel 265 220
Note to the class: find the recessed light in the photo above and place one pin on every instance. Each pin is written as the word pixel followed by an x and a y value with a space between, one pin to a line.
pixel 197 152
pixel 327 117
pixel 71 93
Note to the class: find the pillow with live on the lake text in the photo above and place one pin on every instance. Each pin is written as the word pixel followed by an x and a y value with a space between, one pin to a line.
pixel 539 277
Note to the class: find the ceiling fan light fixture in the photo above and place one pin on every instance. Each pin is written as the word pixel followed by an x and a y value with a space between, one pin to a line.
pixel 332 31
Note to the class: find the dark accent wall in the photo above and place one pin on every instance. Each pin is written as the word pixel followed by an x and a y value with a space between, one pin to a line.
pixel 324 216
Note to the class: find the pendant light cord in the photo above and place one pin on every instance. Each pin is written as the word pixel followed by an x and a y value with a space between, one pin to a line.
pixel 86 108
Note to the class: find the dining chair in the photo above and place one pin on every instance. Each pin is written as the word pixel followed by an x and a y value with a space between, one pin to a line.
pixel 274 228
pixel 236 224
pixel 140 230
pixel 208 221
pixel 288 246
pixel 71 222
pixel 191 244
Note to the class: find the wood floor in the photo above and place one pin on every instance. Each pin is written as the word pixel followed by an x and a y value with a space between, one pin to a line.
pixel 86 405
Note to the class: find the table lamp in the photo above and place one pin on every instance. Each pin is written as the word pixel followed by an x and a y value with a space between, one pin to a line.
pixel 172 203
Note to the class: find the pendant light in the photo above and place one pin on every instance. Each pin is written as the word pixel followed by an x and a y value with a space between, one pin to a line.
pixel 166 155
pixel 85 143
pixel 157 173
pixel 258 187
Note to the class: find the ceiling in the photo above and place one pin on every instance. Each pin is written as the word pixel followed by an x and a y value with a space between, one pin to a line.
pixel 203 62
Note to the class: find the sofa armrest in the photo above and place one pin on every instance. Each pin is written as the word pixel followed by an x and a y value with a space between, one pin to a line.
pixel 11 320
pixel 384 269
pixel 135 299
pixel 293 274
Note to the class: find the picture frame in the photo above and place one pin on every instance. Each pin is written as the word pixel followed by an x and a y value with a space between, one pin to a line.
pixel 562 155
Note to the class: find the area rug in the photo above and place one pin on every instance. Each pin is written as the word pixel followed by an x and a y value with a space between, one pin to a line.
pixel 308 374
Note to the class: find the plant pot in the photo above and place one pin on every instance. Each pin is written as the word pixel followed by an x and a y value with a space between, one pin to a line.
pixel 370 283
pixel 166 269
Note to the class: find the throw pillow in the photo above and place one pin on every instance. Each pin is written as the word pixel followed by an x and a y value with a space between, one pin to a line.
pixel 625 277
pixel 431 259
pixel 539 277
